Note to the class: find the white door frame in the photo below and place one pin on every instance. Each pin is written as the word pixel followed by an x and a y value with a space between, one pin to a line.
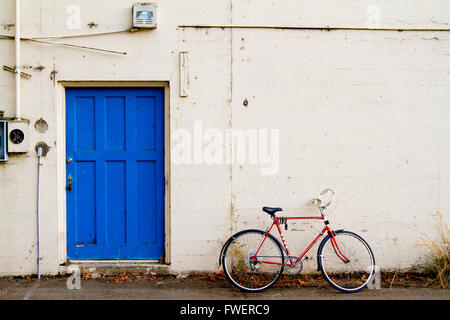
pixel 61 155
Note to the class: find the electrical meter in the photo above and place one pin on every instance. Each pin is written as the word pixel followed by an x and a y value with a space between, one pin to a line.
pixel 144 15
pixel 17 137
pixel 3 140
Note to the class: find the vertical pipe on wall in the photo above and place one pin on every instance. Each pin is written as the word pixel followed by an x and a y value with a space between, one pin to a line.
pixel 17 58
pixel 39 153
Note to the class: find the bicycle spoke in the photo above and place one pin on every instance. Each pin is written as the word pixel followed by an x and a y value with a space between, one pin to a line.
pixel 354 274
pixel 253 274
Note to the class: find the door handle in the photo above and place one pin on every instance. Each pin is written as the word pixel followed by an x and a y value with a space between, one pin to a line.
pixel 69 183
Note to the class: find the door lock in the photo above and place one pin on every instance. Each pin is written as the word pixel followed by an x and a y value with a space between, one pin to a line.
pixel 69 183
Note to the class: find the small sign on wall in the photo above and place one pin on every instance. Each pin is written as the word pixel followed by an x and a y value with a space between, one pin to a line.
pixel 144 15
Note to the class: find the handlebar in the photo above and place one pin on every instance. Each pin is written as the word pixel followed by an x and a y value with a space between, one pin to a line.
pixel 319 202
pixel 332 196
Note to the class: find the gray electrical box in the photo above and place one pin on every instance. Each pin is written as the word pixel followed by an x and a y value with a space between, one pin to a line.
pixel 17 136
pixel 144 15
pixel 3 140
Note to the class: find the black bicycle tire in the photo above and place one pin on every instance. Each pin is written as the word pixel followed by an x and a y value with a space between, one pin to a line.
pixel 322 269
pixel 224 252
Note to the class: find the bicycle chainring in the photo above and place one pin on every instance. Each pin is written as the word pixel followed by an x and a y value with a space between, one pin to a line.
pixel 291 267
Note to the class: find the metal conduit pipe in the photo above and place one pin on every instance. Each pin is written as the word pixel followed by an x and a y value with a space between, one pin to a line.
pixel 39 153
pixel 17 58
pixel 322 28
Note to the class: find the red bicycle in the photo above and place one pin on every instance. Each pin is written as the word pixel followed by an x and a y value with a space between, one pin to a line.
pixel 253 260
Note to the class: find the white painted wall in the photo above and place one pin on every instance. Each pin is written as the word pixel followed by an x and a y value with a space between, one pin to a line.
pixel 363 112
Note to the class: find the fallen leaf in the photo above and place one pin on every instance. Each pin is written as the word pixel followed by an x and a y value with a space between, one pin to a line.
pixel 213 276
pixel 301 282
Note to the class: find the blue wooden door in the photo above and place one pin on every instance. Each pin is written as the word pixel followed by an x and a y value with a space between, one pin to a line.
pixel 115 173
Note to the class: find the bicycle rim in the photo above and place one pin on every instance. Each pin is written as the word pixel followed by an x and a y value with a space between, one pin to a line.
pixel 347 276
pixel 247 274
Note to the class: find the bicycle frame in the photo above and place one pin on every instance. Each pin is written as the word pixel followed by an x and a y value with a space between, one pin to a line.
pixel 280 220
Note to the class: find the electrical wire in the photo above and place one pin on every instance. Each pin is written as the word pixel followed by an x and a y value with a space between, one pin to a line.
pixel 86 34
pixel 64 44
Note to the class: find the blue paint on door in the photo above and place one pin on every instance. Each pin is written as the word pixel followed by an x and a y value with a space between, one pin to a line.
pixel 115 204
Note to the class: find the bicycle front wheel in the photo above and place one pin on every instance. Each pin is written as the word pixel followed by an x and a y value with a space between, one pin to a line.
pixel 252 261
pixel 347 263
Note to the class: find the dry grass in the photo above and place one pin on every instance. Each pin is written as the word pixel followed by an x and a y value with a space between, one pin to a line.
pixel 437 262
pixel 438 259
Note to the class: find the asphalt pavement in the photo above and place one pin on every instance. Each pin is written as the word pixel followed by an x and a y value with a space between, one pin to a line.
pixel 200 289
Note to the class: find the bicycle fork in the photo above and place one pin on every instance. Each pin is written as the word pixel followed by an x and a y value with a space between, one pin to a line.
pixel 336 247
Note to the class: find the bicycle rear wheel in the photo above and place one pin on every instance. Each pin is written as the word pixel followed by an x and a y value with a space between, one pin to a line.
pixel 249 274
pixel 346 276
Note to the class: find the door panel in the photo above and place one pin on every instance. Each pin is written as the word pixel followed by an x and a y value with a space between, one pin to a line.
pixel 115 206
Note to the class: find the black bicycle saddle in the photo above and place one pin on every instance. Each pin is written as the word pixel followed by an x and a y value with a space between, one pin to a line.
pixel 271 210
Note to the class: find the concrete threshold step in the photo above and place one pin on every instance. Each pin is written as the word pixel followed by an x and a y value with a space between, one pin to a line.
pixel 107 268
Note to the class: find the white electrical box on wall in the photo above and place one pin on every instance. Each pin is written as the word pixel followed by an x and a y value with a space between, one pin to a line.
pixel 17 136
pixel 144 15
